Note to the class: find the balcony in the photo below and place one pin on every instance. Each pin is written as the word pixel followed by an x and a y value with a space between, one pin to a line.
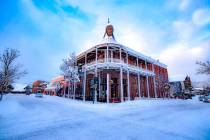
pixel 115 63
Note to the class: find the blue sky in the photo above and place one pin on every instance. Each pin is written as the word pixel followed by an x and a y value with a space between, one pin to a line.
pixel 177 32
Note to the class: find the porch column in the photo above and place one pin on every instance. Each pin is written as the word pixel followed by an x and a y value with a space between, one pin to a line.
pixel 128 85
pixel 96 75
pixel 99 82
pixel 84 78
pixel 95 95
pixel 148 93
pixel 84 86
pixel 154 82
pixel 128 79
pixel 107 87
pixel 121 85
pixel 139 87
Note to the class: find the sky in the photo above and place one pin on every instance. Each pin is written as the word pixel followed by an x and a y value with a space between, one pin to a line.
pixel 177 32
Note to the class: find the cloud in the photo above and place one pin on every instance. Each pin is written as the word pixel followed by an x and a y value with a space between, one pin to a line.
pixel 184 4
pixel 184 30
pixel 190 45
pixel 181 58
pixel 50 38
pixel 201 17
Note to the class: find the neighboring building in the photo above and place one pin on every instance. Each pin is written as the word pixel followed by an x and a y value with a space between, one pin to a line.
pixel 39 86
pixel 176 87
pixel 179 88
pixel 123 73
pixel 19 88
pixel 59 86
pixel 56 86
pixel 28 89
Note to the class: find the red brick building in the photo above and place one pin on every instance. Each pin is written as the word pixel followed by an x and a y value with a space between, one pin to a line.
pixel 123 73
pixel 39 86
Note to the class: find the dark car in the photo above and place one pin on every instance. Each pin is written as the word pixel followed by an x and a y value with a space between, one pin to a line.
pixel 206 99
pixel 201 97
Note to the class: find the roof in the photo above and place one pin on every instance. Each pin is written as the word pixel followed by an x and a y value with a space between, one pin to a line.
pixel 58 79
pixel 19 87
pixel 110 40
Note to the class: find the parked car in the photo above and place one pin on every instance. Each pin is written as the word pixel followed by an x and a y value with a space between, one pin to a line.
pixel 206 99
pixel 39 95
pixel 201 97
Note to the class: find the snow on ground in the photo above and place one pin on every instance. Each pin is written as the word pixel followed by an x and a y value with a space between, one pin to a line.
pixel 27 117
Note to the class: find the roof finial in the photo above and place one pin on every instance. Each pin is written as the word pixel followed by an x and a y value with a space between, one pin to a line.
pixel 109 30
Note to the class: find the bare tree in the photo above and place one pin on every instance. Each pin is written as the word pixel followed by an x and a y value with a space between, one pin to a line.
pixel 10 71
pixel 204 67
pixel 70 70
pixel 161 81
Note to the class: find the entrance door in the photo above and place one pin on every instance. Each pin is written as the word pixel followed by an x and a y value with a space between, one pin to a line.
pixel 125 88
pixel 114 88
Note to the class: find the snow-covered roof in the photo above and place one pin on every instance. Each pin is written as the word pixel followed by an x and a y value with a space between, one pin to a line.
pixel 108 40
pixel 19 87
pixel 111 40
pixel 149 59
pixel 58 79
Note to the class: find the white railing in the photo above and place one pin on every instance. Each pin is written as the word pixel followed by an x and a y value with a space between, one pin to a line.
pixel 115 60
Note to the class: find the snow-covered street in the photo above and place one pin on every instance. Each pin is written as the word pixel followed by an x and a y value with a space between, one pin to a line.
pixel 27 117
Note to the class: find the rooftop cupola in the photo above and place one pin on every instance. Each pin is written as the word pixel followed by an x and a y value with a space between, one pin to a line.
pixel 109 31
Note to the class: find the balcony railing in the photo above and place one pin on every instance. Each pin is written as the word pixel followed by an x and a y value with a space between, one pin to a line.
pixel 116 61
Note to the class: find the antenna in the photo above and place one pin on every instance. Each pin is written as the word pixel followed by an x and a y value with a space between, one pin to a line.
pixel 108 21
